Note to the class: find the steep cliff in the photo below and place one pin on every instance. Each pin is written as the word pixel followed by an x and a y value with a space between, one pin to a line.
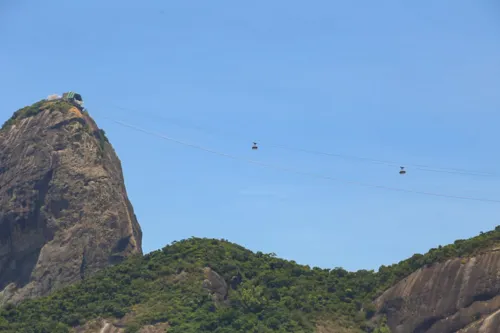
pixel 64 210
pixel 457 295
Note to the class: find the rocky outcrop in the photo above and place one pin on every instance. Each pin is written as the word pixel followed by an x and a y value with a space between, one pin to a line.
pixel 216 286
pixel 490 323
pixel 459 295
pixel 333 327
pixel 104 326
pixel 64 210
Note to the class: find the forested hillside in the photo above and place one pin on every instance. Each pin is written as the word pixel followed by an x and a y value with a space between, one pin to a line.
pixel 264 293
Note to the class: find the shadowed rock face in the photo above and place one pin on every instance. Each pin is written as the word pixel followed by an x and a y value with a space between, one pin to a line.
pixel 459 295
pixel 64 210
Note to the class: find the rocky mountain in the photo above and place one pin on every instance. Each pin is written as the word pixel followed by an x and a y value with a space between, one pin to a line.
pixel 71 259
pixel 64 210
pixel 458 295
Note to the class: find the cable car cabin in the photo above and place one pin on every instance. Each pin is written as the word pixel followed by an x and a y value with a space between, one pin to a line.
pixel 402 171
pixel 73 97
pixel 255 146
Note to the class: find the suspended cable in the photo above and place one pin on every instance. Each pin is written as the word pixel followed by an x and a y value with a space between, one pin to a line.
pixel 293 170
pixel 315 152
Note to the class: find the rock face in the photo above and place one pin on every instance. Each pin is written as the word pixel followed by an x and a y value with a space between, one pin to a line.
pixel 215 285
pixel 104 326
pixel 459 295
pixel 64 210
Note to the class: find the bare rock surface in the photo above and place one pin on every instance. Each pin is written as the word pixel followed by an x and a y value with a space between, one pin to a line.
pixel 458 295
pixel 215 285
pixel 105 326
pixel 64 210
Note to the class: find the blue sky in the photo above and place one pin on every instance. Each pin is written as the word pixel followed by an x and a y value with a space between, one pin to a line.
pixel 415 83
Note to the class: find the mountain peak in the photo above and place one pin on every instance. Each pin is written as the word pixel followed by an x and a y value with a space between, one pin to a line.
pixel 64 210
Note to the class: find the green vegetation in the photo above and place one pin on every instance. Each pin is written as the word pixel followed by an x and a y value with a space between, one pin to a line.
pixel 267 294
pixel 103 135
pixel 382 328
pixel 25 112
pixel 388 275
pixel 34 109
pixel 102 138
pixel 273 295
pixel 62 105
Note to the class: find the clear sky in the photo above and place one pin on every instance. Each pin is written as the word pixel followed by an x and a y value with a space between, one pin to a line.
pixel 414 82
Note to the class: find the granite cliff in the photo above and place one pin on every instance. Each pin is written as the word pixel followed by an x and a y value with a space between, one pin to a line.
pixel 459 295
pixel 64 210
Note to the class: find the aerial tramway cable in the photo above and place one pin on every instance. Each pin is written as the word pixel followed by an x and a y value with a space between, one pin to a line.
pixel 316 152
pixel 276 167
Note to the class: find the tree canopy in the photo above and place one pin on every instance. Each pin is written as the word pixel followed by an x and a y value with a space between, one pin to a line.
pixel 266 293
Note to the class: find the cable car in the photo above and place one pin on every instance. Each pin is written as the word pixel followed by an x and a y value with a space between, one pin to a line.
pixel 402 171
pixel 254 147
